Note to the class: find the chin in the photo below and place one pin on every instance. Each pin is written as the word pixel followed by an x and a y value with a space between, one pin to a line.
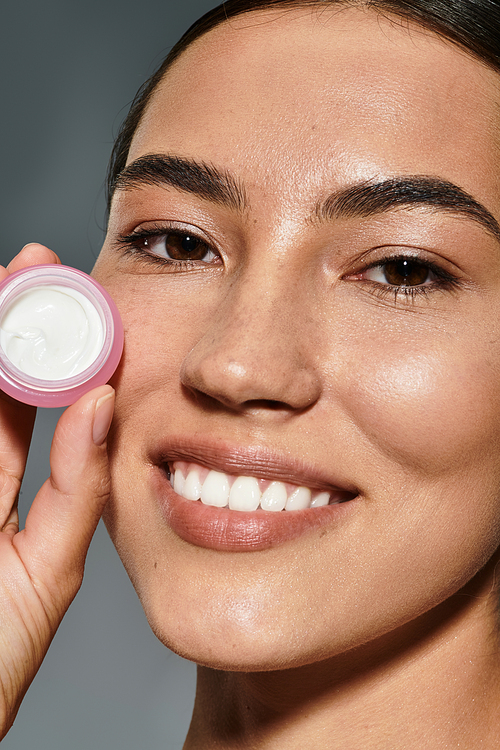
pixel 224 648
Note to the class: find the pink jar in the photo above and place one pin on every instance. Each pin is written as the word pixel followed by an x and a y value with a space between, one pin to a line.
pixel 60 335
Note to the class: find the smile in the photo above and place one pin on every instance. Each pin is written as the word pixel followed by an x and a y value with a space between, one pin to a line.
pixel 244 493
pixel 229 498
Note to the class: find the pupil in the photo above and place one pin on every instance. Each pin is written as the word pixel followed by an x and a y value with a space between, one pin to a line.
pixel 185 247
pixel 189 244
pixel 405 272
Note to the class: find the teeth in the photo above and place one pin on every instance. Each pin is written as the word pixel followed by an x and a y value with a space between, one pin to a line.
pixel 322 499
pixel 192 486
pixel 241 493
pixel 245 494
pixel 275 497
pixel 299 499
pixel 215 490
pixel 179 482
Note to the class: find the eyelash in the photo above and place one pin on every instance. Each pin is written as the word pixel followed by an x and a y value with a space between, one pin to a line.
pixel 134 245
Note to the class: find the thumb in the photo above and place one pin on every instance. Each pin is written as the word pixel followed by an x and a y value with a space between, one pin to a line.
pixel 66 510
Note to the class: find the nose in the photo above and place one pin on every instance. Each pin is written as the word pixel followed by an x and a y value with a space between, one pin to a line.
pixel 257 353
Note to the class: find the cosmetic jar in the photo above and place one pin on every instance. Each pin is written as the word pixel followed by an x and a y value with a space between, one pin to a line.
pixel 60 335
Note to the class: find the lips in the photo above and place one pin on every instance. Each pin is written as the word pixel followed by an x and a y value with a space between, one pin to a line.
pixel 245 493
pixel 209 504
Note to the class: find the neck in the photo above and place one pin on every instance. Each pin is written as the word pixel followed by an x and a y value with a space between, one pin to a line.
pixel 433 683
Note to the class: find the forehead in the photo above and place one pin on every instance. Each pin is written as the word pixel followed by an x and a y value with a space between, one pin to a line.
pixel 344 94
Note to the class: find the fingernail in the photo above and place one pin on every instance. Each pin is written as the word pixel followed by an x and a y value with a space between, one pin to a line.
pixel 102 418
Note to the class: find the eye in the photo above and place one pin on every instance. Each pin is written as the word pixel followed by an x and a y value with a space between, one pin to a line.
pixel 406 277
pixel 401 272
pixel 175 245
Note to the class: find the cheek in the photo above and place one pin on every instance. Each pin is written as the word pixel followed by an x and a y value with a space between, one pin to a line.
pixel 429 412
pixel 157 339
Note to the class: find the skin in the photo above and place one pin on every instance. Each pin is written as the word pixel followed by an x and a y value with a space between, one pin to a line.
pixel 288 344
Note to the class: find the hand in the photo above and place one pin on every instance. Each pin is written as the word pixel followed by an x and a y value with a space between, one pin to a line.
pixel 41 566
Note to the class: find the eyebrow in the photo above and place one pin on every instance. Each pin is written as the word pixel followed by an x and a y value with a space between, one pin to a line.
pixel 198 178
pixel 360 200
pixel 366 199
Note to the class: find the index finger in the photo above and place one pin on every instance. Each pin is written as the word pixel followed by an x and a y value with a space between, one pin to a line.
pixel 32 254
pixel 16 427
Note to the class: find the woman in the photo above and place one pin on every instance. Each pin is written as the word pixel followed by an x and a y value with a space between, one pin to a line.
pixel 303 243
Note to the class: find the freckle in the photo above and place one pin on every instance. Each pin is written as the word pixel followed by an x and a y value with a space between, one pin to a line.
pixel 156 565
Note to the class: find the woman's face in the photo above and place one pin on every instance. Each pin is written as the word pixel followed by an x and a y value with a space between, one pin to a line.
pixel 309 278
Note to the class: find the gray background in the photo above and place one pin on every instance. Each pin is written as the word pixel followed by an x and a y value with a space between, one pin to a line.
pixel 68 72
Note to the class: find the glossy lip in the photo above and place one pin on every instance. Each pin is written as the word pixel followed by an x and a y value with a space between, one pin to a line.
pixel 228 530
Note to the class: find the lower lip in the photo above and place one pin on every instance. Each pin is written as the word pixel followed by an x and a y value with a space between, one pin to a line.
pixel 237 531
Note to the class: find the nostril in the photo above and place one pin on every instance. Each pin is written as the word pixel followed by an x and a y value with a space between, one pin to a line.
pixel 217 401
pixel 258 404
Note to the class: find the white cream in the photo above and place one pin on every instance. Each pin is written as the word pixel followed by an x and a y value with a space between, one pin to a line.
pixel 51 332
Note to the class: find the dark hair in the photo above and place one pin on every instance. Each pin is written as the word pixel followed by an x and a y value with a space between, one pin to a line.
pixel 474 25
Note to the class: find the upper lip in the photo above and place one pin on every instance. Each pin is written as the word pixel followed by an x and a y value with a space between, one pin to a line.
pixel 249 460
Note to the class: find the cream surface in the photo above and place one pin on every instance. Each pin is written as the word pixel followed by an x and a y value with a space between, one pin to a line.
pixel 51 332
